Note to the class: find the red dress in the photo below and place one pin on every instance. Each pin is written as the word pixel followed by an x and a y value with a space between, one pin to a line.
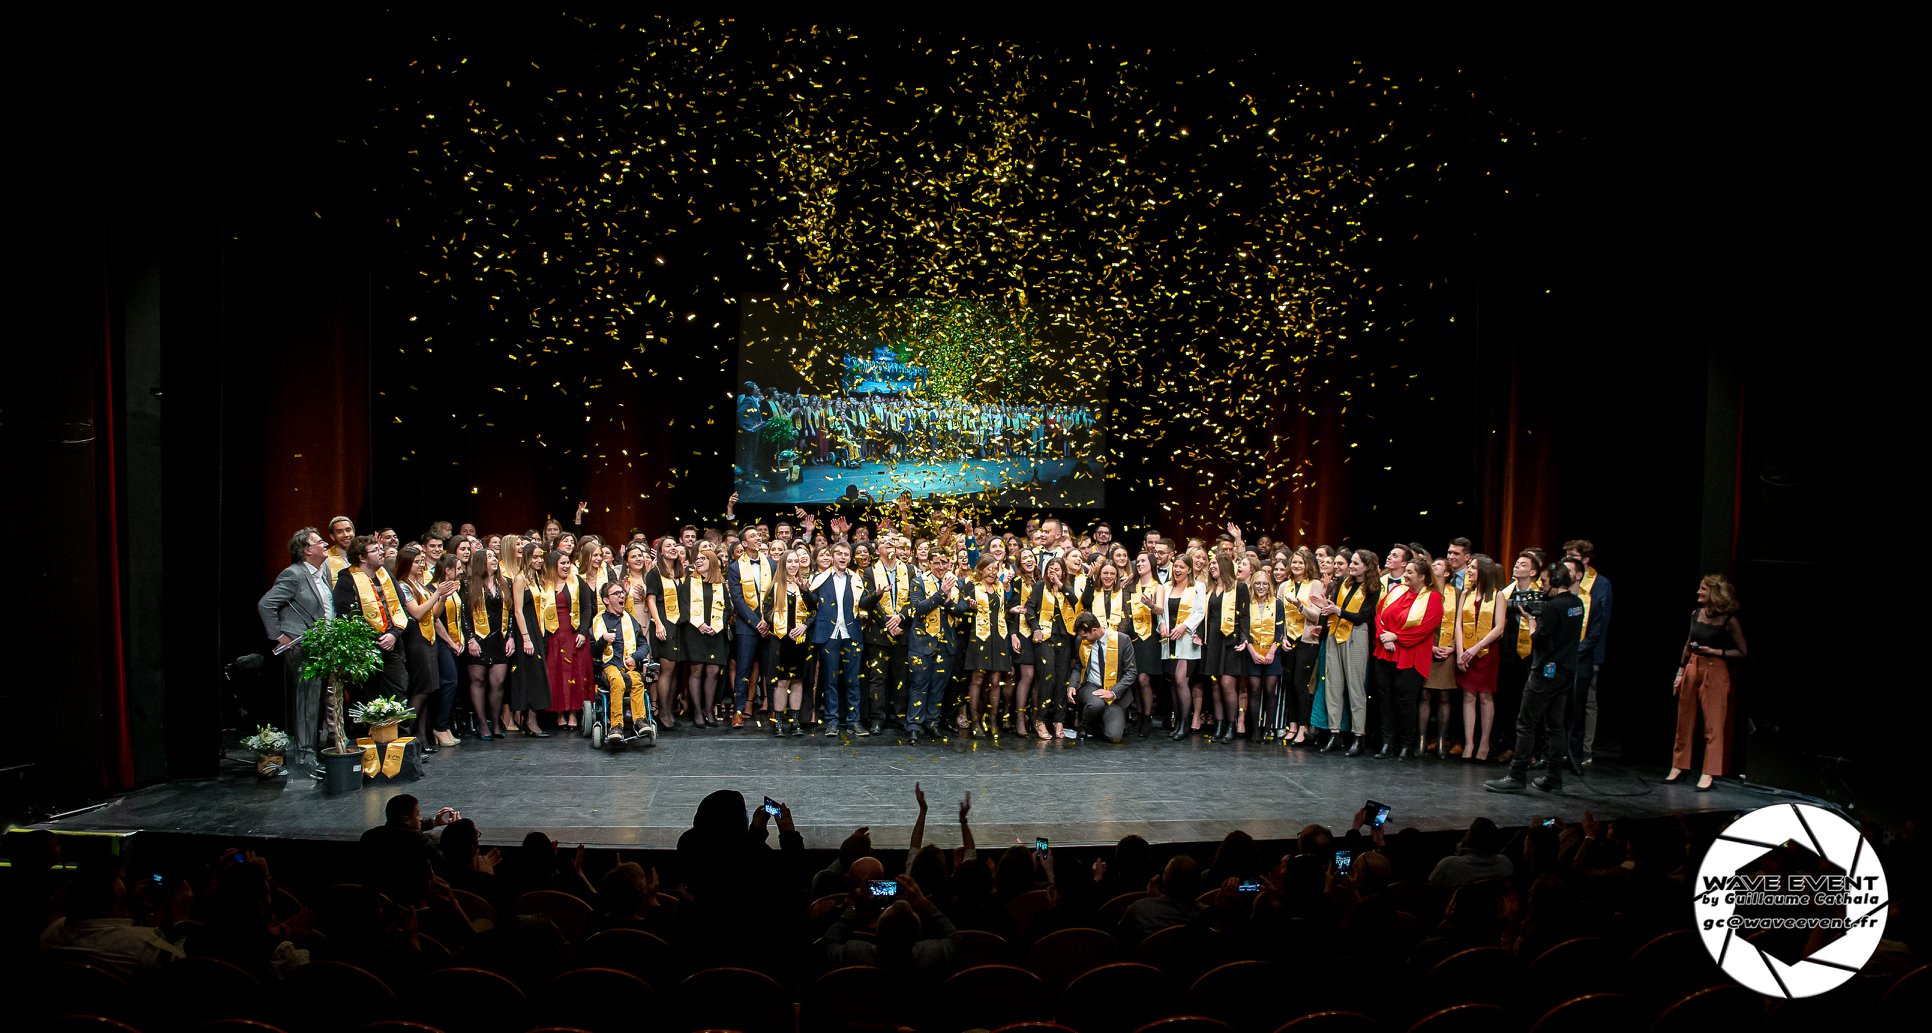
pixel 567 663
pixel 1414 645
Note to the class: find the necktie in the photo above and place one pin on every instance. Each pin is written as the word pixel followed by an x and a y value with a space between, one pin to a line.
pixel 381 603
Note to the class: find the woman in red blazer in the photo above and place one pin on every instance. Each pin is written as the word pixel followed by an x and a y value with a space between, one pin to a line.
pixel 1407 622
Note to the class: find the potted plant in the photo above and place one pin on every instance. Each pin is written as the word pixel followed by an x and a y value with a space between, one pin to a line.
pixel 270 745
pixel 382 715
pixel 341 651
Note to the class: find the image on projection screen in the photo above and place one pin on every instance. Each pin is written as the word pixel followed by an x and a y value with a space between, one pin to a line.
pixel 932 397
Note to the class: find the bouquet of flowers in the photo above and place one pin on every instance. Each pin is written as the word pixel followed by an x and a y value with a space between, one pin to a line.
pixel 381 711
pixel 267 739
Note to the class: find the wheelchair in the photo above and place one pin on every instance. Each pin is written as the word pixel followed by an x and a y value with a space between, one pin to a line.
pixel 597 723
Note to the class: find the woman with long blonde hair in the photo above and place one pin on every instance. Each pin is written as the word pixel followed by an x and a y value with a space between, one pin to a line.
pixel 536 617
pixel 1703 685
pixel 707 627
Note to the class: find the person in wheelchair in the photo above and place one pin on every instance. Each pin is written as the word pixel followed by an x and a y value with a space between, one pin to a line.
pixel 623 654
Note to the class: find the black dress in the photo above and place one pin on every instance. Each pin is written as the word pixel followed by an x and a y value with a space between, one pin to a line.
pixel 995 651
pixel 490 646
pixel 529 683
pixel 700 648
pixel 671 648
pixel 1219 655
pixel 786 659
pixel 1147 651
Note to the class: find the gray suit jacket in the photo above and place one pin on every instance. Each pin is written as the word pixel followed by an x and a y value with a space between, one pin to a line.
pixel 290 607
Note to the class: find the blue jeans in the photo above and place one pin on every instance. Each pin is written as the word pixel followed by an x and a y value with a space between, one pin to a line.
pixel 747 649
pixel 838 681
pixel 930 676
pixel 445 697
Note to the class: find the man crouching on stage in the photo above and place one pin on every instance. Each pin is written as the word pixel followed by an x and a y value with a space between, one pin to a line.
pixel 1103 679
pixel 624 654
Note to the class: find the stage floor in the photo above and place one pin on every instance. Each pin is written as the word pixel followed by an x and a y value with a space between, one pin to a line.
pixel 1086 794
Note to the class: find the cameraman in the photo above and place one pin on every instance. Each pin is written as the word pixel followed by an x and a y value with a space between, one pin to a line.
pixel 1555 629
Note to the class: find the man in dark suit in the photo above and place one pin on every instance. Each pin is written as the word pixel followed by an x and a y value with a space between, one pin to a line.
pixel 836 633
pixel 887 602
pixel 937 603
pixel 385 614
pixel 1103 678
pixel 746 579
pixel 299 598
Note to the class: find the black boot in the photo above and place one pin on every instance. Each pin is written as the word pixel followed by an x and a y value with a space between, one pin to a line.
pixel 1388 750
pixel 1355 747
pixel 1180 731
pixel 1226 732
pixel 1408 753
pixel 1334 742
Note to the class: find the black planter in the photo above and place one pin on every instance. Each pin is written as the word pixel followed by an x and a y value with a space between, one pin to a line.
pixel 344 771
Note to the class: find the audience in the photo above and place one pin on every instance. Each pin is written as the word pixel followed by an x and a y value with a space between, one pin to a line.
pixel 736 899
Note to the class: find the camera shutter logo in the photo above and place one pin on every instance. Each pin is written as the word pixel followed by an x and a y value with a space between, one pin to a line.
pixel 1830 901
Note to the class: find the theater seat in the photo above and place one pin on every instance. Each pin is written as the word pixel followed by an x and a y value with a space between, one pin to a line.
pixel 1186 1024
pixel 642 954
pixel 600 1000
pixel 571 914
pixel 84 1024
pixel 851 996
pixel 1592 1013
pixel 1463 1018
pixel 333 981
pixel 1331 1022
pixel 472 1000
pixel 733 998
pixel 1116 998
pixel 1060 956
pixel 1714 1008
pixel 1246 995
pixel 1573 968
pixel 990 996
pixel 979 947
pixel 1485 975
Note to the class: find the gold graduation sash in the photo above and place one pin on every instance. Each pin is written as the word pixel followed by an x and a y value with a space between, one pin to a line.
pixel 673 597
pixel 1186 610
pixel 1583 588
pixel 372 608
pixel 748 586
pixel 1026 626
pixel 627 637
pixel 1079 593
pixel 935 617
pixel 991 612
pixel 1143 615
pixel 480 617
pixel 453 617
pixel 576 605
pixel 546 608
pixel 715 604
pixel 1294 622
pixel 598 575
pixel 1227 611
pixel 1261 623
pixel 1108 606
pixel 335 563
pixel 1478 616
pixel 429 633
pixel 1109 663
pixel 1418 609
pixel 1446 638
pixel 894 583
pixel 1338 628
pixel 781 609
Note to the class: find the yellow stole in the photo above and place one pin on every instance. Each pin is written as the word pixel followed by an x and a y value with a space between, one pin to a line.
pixel 1142 613
pixel 1478 616
pixel 1109 664
pixel 1229 600
pixel 453 618
pixel 626 636
pixel 1419 608
pixel 480 616
pixel 1108 606
pixel 576 604
pixel 716 609
pixel 900 580
pixel 1294 622
pixel 546 608
pixel 1522 630
pixel 935 617
pixel 750 587
pixel 1583 587
pixel 1261 623
pixel 1338 628
pixel 1185 612
pixel 335 563
pixel 1050 602
pixel 598 576
pixel 1026 592
pixel 429 633
pixel 990 614
pixel 673 598
pixel 366 594
pixel 1079 594
pixel 1446 638
pixel 781 609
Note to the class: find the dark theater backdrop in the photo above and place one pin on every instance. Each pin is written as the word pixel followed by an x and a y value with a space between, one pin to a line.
pixel 422 265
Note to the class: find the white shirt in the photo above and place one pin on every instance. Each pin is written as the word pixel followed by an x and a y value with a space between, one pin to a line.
pixel 840 587
pixel 317 582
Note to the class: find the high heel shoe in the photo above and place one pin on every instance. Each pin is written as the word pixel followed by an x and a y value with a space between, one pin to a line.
pixel 446 739
pixel 1703 787
pixel 1674 780
pixel 1179 734
pixel 1226 732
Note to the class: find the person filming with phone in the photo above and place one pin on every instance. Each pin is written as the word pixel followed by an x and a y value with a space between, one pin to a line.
pixel 890 923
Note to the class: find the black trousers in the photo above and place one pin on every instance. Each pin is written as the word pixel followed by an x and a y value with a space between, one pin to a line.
pixel 1408 695
pixel 1381 679
pixel 1298 669
pixel 1542 714
pixel 1050 676
pixel 885 680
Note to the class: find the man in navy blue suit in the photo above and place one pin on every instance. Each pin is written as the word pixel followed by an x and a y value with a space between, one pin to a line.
pixel 840 639
pixel 746 579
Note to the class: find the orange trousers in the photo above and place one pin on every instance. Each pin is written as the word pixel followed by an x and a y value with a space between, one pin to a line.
pixel 1706 689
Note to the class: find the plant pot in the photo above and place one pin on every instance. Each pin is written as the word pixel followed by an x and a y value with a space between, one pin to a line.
pixel 269 765
pixel 343 770
pixel 385 732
